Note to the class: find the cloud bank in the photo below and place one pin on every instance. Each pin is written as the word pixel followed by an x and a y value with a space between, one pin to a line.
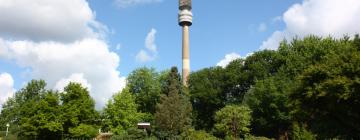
pixel 55 20
pixel 318 17
pixel 61 41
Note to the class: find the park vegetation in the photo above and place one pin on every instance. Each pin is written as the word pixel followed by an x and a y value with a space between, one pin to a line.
pixel 306 89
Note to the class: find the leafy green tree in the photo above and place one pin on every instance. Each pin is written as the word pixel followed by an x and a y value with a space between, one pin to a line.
pixel 144 84
pixel 131 134
pixel 78 109
pixel 121 112
pixel 268 100
pixel 300 132
pixel 269 97
pixel 356 42
pixel 213 88
pixel 47 119
pixel 192 134
pixel 241 74
pixel 35 111
pixel 233 120
pixel 173 113
pixel 327 95
pixel 207 95
pixel 83 131
pixel 163 80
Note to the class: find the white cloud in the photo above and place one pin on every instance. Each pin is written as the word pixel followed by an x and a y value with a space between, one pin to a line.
pixel 127 3
pixel 60 41
pixel 150 41
pixel 262 27
pixel 228 58
pixel 151 53
pixel 144 56
pixel 318 17
pixel 45 20
pixel 273 42
pixel 6 87
pixel 76 77
pixel 52 61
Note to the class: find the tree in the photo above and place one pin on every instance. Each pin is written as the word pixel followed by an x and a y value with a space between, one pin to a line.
pixel 233 120
pixel 47 117
pixel 144 84
pixel 213 88
pixel 192 134
pixel 300 132
pixel 356 42
pixel 241 74
pixel 173 113
pixel 79 110
pixel 207 95
pixel 121 112
pixel 35 111
pixel 268 100
pixel 131 134
pixel 328 94
pixel 83 131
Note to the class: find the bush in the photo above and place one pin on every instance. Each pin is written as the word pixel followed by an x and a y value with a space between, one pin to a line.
pixel 299 132
pixel 192 134
pixel 131 134
pixel 83 131
pixel 250 137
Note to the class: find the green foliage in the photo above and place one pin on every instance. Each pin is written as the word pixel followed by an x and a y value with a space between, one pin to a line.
pixel 327 96
pixel 131 134
pixel 121 112
pixel 213 88
pixel 300 132
pixel 233 120
pixel 173 113
pixel 250 137
pixel 207 96
pixel 307 89
pixel 192 134
pixel 35 111
pixel 268 101
pixel 144 84
pixel 83 131
pixel 78 109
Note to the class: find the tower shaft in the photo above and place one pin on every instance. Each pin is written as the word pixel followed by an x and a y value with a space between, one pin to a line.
pixel 185 55
pixel 185 21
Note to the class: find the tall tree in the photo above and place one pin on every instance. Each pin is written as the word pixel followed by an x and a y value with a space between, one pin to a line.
pixel 241 74
pixel 268 100
pixel 79 110
pixel 144 84
pixel 35 111
pixel 121 112
pixel 207 95
pixel 213 88
pixel 328 93
pixel 173 113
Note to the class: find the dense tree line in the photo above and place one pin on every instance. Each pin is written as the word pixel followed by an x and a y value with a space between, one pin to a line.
pixel 307 89
pixel 38 113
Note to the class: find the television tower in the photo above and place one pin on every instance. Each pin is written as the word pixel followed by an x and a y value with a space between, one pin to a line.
pixel 185 21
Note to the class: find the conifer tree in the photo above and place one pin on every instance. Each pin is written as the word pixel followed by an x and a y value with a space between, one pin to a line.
pixel 173 113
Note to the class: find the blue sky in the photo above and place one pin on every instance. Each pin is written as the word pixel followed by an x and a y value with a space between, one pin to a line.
pixel 219 28
pixel 99 42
